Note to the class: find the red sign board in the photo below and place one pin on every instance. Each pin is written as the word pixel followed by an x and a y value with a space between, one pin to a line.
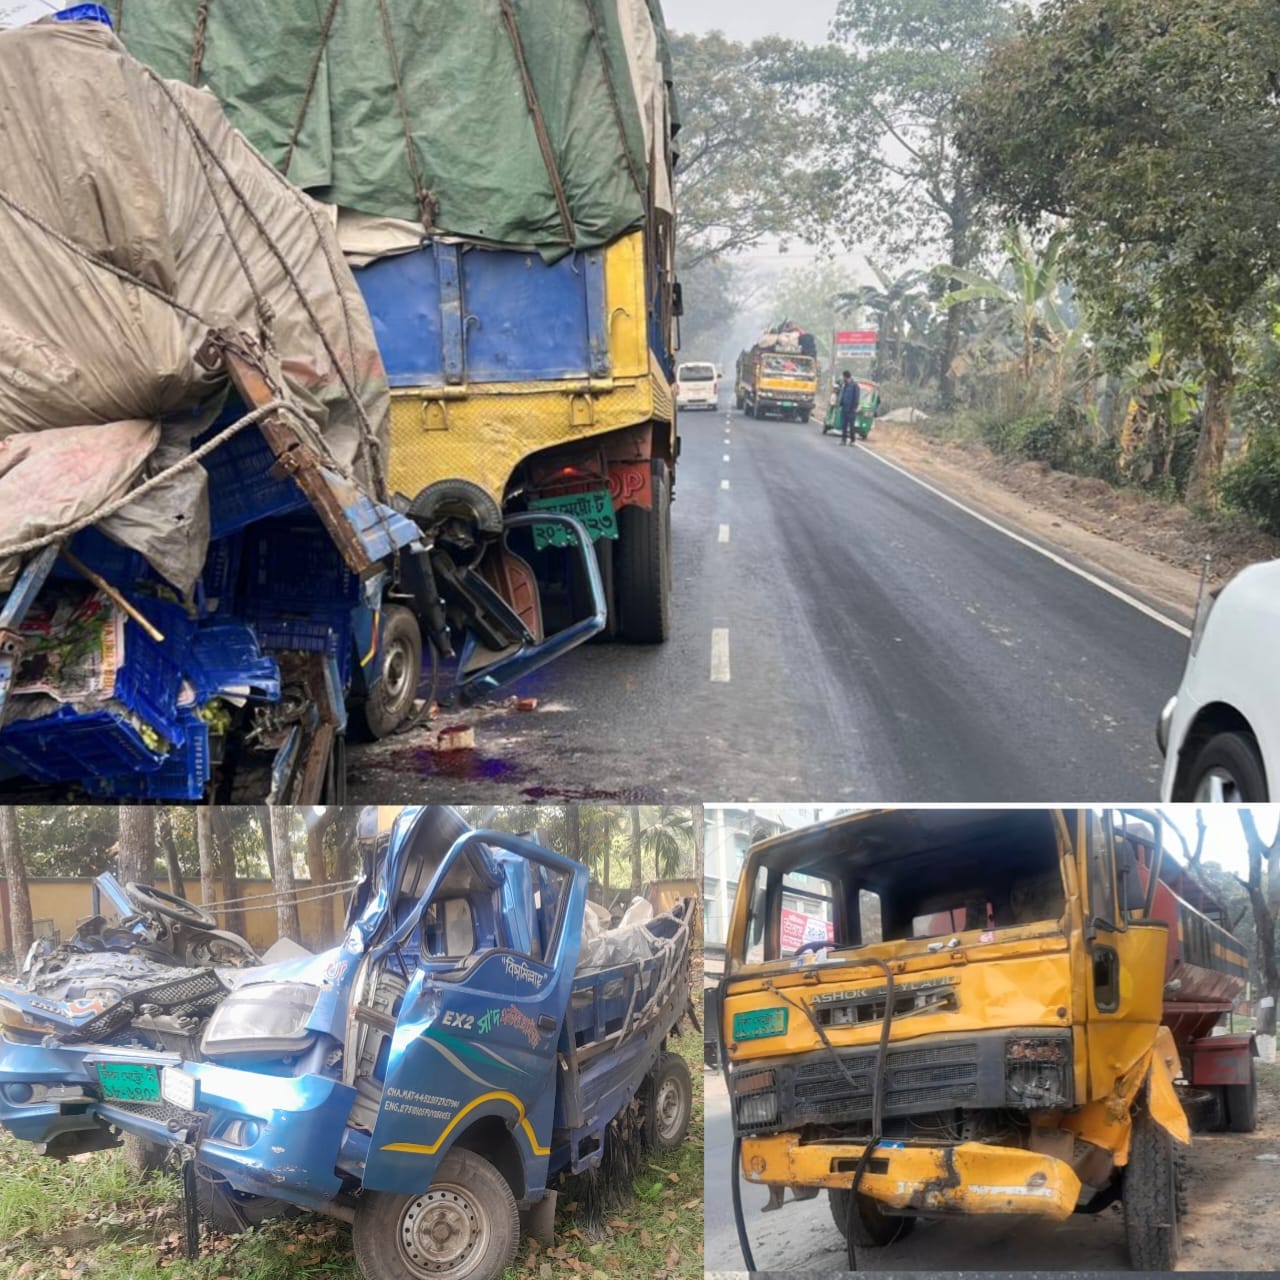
pixel 798 928
pixel 856 337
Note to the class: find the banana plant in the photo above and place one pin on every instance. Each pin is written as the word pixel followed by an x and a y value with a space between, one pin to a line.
pixel 1023 297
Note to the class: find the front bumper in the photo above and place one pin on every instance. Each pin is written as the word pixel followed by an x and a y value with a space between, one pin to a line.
pixel 44 1092
pixel 279 1136
pixel 969 1178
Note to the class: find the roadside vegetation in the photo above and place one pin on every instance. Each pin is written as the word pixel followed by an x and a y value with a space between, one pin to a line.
pixel 1068 214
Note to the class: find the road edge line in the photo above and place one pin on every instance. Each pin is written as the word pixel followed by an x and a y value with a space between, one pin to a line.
pixel 1101 583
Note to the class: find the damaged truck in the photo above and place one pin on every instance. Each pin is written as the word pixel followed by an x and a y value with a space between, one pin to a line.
pixel 930 1013
pixel 499 173
pixel 208 561
pixel 476 1035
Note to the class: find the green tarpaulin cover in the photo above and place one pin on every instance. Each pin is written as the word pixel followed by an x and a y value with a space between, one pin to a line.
pixel 522 122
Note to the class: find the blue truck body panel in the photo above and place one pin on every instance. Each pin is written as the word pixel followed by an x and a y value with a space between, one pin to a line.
pixel 444 315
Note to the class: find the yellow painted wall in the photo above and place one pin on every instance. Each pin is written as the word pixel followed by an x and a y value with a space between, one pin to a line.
pixel 66 902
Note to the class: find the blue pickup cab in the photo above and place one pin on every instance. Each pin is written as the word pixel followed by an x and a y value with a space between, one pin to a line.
pixel 470 1039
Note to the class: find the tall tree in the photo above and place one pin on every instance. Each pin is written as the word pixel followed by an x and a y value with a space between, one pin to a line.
pixel 136 856
pixel 208 855
pixel 637 850
pixel 1149 127
pixel 1263 887
pixel 889 89
pixel 667 836
pixel 21 932
pixel 319 820
pixel 287 923
pixel 164 836
pixel 224 842
pixel 747 172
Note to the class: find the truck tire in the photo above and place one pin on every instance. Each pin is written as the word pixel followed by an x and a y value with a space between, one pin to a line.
pixel 1242 1103
pixel 872 1227
pixel 670 1103
pixel 384 710
pixel 230 1212
pixel 465 1226
pixel 642 566
pixel 1150 1193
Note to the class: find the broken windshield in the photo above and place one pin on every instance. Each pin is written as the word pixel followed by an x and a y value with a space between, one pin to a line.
pixel 853 887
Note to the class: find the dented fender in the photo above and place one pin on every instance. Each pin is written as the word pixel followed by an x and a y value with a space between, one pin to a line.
pixel 1162 1099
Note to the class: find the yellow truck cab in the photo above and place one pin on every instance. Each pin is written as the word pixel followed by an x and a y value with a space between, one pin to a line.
pixel 936 1012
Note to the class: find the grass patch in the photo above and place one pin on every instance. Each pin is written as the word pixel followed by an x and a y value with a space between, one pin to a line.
pixel 94 1217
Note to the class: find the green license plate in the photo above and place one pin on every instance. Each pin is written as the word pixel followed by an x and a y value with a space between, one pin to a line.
pixel 129 1081
pixel 594 509
pixel 760 1023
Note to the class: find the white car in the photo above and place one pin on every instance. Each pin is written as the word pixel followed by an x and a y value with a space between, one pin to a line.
pixel 1220 733
pixel 697 386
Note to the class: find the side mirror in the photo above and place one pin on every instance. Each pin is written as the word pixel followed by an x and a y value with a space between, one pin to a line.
pixel 677 299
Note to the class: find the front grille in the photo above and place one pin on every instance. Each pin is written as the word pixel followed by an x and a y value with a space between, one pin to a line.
pixel 173 1118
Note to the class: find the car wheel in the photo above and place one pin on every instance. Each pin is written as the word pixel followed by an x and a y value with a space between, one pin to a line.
pixel 1227 769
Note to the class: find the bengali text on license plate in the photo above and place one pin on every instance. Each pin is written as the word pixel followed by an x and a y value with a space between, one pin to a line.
pixel 594 509
pixel 129 1081
pixel 759 1023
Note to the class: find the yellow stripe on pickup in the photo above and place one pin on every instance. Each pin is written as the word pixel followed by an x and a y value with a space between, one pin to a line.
pixel 421 1149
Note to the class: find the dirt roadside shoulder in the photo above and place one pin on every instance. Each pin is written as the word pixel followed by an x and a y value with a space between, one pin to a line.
pixel 1151 548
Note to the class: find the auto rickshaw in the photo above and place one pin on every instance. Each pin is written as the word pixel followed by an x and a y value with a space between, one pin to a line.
pixel 868 409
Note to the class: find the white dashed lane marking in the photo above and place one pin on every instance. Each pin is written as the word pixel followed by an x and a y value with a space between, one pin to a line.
pixel 720 655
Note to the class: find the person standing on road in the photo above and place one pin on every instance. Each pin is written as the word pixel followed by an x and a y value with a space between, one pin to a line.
pixel 848 409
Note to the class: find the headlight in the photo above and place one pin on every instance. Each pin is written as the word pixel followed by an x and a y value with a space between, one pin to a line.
pixel 1162 725
pixel 265 1020
pixel 756 1099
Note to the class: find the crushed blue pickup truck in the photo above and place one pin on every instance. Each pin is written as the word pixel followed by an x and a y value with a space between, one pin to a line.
pixel 477 1034
pixel 206 574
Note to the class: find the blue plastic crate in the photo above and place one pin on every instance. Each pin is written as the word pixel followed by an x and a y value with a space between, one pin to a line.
pixel 217 586
pixel 149 681
pixel 242 488
pixel 119 565
pixel 70 745
pixel 297 591
pixel 183 775
pixel 228 653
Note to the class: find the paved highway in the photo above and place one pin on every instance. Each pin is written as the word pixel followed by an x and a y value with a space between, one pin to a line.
pixel 843 633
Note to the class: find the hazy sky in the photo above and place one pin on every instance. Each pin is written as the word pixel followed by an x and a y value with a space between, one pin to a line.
pixel 751 19
pixel 738 19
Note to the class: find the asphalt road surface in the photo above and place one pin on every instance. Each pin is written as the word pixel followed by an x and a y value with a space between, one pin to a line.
pixel 842 633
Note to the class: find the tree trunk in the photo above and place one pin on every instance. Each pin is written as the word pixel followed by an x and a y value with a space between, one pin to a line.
pixel 959 243
pixel 318 821
pixel 208 856
pixel 164 833
pixel 635 851
pixel 287 924
pixel 573 840
pixel 1211 447
pixel 136 859
pixel 225 845
pixel 1264 897
pixel 21 932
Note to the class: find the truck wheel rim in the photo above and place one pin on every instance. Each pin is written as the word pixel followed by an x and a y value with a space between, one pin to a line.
pixel 395 673
pixel 668 1108
pixel 1218 787
pixel 444 1232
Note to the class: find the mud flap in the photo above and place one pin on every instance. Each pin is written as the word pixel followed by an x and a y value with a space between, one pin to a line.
pixel 539 1220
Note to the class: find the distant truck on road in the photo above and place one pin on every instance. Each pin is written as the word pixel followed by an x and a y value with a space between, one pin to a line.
pixel 779 374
